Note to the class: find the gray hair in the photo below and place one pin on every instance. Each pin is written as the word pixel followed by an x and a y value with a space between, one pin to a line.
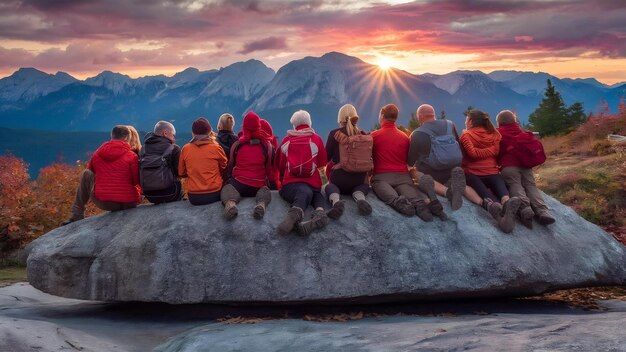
pixel 163 126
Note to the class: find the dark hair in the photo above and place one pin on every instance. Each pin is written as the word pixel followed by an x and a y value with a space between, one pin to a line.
pixel 481 119
pixel 390 112
pixel 120 132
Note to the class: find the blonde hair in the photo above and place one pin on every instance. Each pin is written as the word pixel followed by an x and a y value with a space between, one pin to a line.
pixel 135 141
pixel 348 118
pixel 226 122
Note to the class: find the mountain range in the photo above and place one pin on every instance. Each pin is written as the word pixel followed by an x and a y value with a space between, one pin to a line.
pixel 33 99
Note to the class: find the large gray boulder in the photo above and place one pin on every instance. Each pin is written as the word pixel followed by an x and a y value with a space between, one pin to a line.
pixel 179 253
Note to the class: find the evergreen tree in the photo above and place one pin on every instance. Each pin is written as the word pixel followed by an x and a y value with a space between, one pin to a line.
pixel 551 115
pixel 413 122
pixel 442 115
pixel 576 115
pixel 469 108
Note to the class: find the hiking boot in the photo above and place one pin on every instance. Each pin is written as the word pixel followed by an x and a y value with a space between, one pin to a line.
pixel 457 188
pixel 526 215
pixel 337 210
pixel 403 206
pixel 545 218
pixel 509 209
pixel 493 208
pixel 436 209
pixel 294 215
pixel 318 220
pixel 422 211
pixel 364 207
pixel 426 184
pixel 230 209
pixel 263 198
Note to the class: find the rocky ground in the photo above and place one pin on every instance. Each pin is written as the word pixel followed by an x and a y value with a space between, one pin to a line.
pixel 583 319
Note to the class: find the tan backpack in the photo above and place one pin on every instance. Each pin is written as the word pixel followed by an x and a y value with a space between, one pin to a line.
pixel 355 152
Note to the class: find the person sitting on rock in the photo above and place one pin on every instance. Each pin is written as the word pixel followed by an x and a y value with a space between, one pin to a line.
pixel 349 153
pixel 435 151
pixel 202 162
pixel 481 145
pixel 111 180
pixel 391 180
pixel 250 170
pixel 158 165
pixel 225 135
pixel 300 155
pixel 516 161
pixel 267 128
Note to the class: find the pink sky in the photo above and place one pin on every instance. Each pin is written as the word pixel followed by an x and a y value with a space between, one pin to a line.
pixel 567 38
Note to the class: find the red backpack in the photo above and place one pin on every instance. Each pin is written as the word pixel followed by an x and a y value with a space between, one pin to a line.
pixel 301 155
pixel 527 149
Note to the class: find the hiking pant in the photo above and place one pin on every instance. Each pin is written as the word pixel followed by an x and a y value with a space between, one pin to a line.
pixel 344 182
pixel 234 190
pixel 441 176
pixel 171 194
pixel 85 193
pixel 521 183
pixel 203 198
pixel 390 186
pixel 301 194
pixel 490 186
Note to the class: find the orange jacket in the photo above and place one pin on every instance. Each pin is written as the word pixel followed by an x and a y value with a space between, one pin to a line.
pixel 480 151
pixel 202 162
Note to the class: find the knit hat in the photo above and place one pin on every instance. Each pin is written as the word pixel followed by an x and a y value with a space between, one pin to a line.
pixel 251 128
pixel 201 126
pixel 267 128
pixel 299 118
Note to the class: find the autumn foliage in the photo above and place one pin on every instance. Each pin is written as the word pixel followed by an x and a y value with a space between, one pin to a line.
pixel 28 208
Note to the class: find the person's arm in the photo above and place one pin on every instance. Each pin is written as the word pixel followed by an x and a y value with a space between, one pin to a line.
pixel 174 160
pixel 182 169
pixel 269 166
pixel 413 156
pixel 330 145
pixel 134 169
pixel 322 158
pixel 231 161
pixel 221 158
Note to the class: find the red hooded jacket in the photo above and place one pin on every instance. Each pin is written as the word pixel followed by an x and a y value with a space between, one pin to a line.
pixel 315 180
pixel 509 133
pixel 480 150
pixel 116 168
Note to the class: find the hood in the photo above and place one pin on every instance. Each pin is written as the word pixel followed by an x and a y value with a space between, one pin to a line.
pixel 483 139
pixel 512 129
pixel 113 150
pixel 152 138
pixel 202 139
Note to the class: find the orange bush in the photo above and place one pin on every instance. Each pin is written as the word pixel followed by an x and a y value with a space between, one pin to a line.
pixel 16 196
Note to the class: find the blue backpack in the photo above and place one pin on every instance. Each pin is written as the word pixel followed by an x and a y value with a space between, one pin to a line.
pixel 445 151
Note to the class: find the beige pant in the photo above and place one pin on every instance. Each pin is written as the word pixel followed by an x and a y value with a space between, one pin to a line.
pixel 391 185
pixel 84 194
pixel 521 183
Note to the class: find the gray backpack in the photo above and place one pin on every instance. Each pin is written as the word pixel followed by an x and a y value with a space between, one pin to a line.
pixel 154 170
pixel 445 151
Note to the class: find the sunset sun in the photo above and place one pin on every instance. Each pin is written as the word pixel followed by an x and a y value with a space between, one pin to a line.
pixel 384 63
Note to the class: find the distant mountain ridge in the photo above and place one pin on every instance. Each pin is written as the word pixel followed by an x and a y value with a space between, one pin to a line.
pixel 30 98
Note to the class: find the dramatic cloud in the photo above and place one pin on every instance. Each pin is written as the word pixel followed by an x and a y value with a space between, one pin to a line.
pixel 90 35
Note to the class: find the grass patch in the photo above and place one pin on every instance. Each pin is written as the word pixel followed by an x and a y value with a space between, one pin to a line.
pixel 13 274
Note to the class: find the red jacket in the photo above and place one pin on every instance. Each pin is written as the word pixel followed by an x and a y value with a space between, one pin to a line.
pixel 315 180
pixel 250 166
pixel 116 168
pixel 390 150
pixel 509 134
pixel 480 150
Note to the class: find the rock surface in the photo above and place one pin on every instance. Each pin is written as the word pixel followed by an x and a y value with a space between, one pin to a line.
pixel 178 253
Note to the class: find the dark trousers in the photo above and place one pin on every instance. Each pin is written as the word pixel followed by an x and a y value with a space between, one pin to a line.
pixel 203 198
pixel 243 189
pixel 301 194
pixel 487 186
pixel 85 193
pixel 172 194
pixel 344 182
pixel 441 176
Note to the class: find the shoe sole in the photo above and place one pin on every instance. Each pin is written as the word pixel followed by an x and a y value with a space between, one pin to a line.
pixel 231 213
pixel 457 187
pixel 337 210
pixel 507 223
pixel 364 207
pixel 259 212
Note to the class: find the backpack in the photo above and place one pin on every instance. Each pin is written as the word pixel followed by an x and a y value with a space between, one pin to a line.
pixel 355 152
pixel 445 151
pixel 301 154
pixel 527 149
pixel 263 145
pixel 154 170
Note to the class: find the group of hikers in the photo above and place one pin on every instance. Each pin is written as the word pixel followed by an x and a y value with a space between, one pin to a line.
pixel 491 167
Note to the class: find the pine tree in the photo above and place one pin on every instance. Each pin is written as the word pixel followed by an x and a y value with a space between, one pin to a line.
pixel 550 117
pixel 442 115
pixel 413 122
pixel 576 115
